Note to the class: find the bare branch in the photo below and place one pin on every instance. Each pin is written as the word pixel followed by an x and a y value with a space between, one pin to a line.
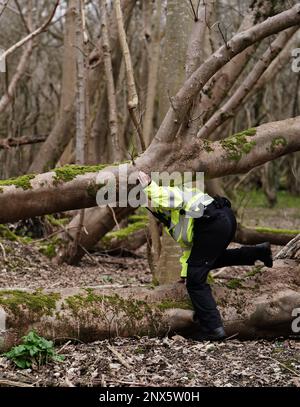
pixel 132 93
pixel 193 10
pixel 216 61
pixel 111 93
pixel 15 142
pixel 235 101
pixel 30 36
pixel 4 5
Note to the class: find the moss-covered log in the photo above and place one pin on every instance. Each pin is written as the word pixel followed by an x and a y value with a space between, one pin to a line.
pixel 280 237
pixel 259 306
pixel 130 238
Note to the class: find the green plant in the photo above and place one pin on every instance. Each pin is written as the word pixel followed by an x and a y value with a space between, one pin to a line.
pixel 34 349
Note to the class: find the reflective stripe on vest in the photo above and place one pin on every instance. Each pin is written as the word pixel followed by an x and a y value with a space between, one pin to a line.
pixel 181 228
pixel 197 207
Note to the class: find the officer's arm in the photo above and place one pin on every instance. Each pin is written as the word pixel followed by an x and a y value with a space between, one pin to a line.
pixel 164 197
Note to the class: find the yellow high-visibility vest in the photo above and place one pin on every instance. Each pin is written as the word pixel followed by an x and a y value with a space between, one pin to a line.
pixel 180 207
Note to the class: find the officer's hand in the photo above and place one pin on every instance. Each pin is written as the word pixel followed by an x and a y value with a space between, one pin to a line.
pixel 144 179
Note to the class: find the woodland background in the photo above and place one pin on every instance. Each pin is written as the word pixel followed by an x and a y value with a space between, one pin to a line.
pixel 75 99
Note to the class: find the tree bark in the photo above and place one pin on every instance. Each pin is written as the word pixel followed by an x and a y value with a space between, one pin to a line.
pixel 252 310
pixel 249 236
pixel 50 192
pixel 291 250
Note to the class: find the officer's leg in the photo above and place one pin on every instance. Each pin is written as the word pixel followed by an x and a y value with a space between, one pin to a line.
pixel 199 290
pixel 245 256
pixel 210 240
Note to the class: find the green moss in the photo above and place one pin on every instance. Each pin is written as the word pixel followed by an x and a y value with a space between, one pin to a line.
pixel 277 142
pixel 155 282
pixel 167 304
pixel 69 172
pixel 19 182
pixel 248 132
pixel 36 302
pixel 207 145
pixel 8 234
pixel 234 283
pixel 255 270
pixel 48 247
pixel 276 231
pixel 210 279
pixel 138 218
pixel 123 233
pixel 79 301
pixel 238 145
pixel 57 221
pixel 130 311
pixel 92 190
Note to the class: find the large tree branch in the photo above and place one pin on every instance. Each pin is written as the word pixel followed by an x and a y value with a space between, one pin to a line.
pixel 182 101
pixel 62 190
pixel 235 101
pixel 220 84
pixel 243 151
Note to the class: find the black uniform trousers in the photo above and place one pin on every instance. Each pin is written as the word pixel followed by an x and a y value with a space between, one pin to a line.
pixel 212 235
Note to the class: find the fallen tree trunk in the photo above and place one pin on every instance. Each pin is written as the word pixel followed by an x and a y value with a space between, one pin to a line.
pixel 117 244
pixel 259 306
pixel 97 222
pixel 74 187
pixel 244 235
pixel 255 235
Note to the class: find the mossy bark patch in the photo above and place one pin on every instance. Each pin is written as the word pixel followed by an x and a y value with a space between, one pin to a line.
pixel 123 233
pixel 127 313
pixel 262 229
pixel 19 182
pixel 277 142
pixel 207 145
pixel 38 302
pixel 69 172
pixel 238 145
pixel 168 304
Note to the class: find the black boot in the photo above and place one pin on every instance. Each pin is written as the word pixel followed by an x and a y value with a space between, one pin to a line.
pixel 204 334
pixel 264 253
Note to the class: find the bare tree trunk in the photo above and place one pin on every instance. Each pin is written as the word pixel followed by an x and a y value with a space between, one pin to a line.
pixel 178 28
pixel 131 88
pixel 111 95
pixel 64 128
pixel 81 84
pixel 154 54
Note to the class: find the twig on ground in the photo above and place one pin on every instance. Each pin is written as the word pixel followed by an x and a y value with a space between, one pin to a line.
pixel 119 356
pixel 13 383
pixel 3 251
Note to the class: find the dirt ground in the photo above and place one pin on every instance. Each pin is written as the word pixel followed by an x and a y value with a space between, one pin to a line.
pixel 166 362
pixel 144 361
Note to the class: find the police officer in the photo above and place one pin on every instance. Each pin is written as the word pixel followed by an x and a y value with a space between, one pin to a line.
pixel 204 227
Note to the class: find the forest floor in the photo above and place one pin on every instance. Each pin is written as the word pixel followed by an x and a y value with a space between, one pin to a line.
pixel 148 361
